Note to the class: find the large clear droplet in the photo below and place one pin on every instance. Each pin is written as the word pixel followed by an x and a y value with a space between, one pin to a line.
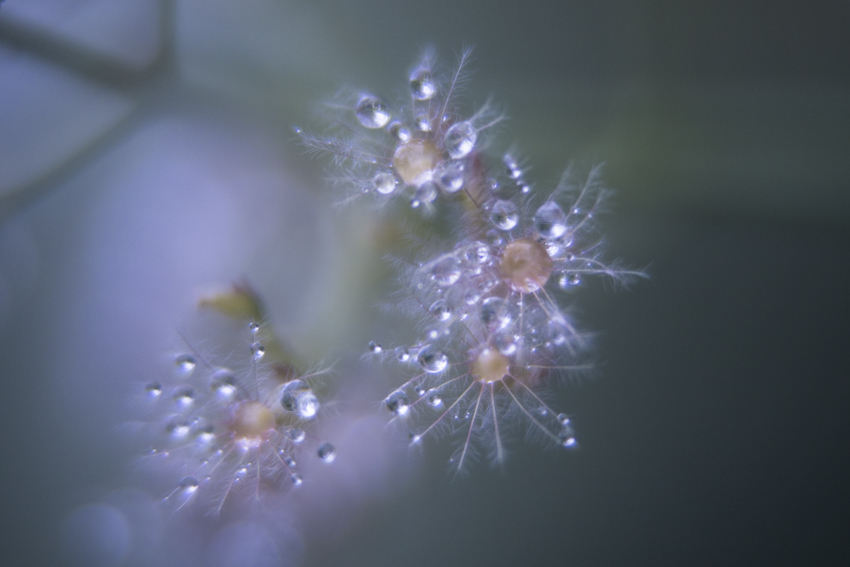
pixel 298 398
pixel 384 183
pixel 425 193
pixel 372 112
pixel 460 140
pixel 186 364
pixel 432 360
pixel 422 84
pixel 550 221
pixel 504 214
pixel 495 314
pixel 440 310
pixel 326 452
pixel 450 176
pixel 398 402
pixel 446 271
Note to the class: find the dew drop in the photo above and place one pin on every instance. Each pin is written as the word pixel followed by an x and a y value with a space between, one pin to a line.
pixel 289 461
pixel 505 342
pixel 297 479
pixel 372 112
pixel 471 297
pixel 423 122
pixel 188 485
pixel 297 397
pixel 184 397
pixel 153 390
pixel 223 383
pixel 178 427
pixel 568 279
pixel 435 399
pixel 375 348
pixel 254 327
pixel 432 360
pixel 550 221
pixel 504 214
pixel 450 176
pixel 297 435
pixel 424 194
pixel 440 310
pixel 186 364
pixel 446 271
pixel 384 183
pixel 422 84
pixel 399 131
pixel 495 314
pixel 513 166
pixel 326 452
pixel 257 350
pixel 567 435
pixel 398 402
pixel 495 237
pixel 402 354
pixel 563 418
pixel 460 140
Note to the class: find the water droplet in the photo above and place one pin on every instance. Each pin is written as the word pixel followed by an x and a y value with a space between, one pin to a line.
pixel 188 485
pixel 326 452
pixel 153 390
pixel 257 350
pixel 423 122
pixel 398 402
pixel 206 434
pixel 384 183
pixel 550 221
pixel 297 434
pixel 178 426
pixel 567 436
pixel 450 176
pixel 494 237
pixel 420 391
pixel 422 84
pixel 297 397
pixel 505 342
pixel 186 364
pixel 402 354
pixel 425 193
pixel 223 383
pixel 568 279
pixel 495 314
pixel 504 214
pixel 372 112
pixel 513 166
pixel 435 399
pixel 432 360
pixel 184 397
pixel 471 297
pixel 415 438
pixel 297 479
pixel 563 418
pixel 399 131
pixel 446 271
pixel 374 347
pixel 289 461
pixel 479 253
pixel 254 327
pixel 460 140
pixel 440 310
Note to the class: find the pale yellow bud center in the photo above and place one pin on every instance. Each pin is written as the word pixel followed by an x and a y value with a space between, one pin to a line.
pixel 415 159
pixel 490 366
pixel 525 265
pixel 252 419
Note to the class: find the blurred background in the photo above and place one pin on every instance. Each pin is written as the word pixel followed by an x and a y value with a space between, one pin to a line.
pixel 147 157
